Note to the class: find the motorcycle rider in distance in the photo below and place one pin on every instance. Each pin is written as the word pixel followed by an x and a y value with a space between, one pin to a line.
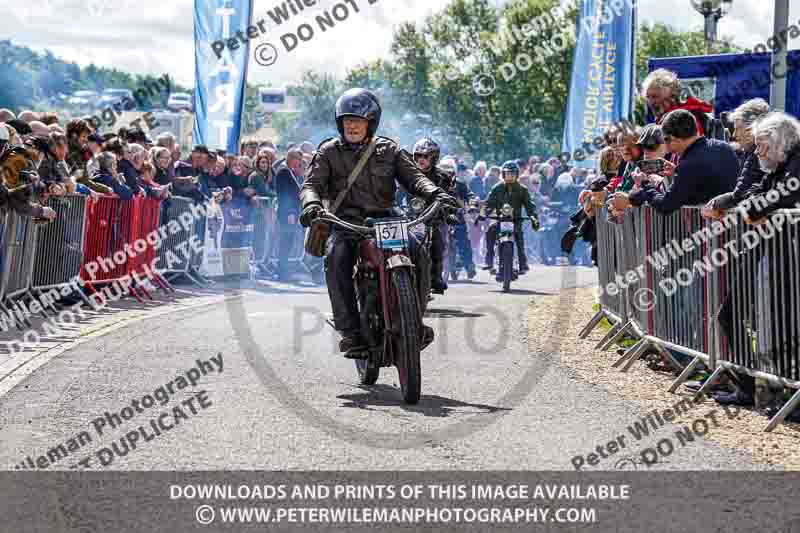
pixel 460 237
pixel 358 114
pixel 511 192
pixel 426 156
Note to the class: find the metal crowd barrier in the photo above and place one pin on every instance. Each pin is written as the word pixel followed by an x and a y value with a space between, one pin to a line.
pixel 692 270
pixel 10 252
pixel 113 228
pixel 140 263
pixel 171 261
pixel 48 258
pixel 109 226
pixel 611 302
pixel 19 242
pixel 264 222
pixel 59 247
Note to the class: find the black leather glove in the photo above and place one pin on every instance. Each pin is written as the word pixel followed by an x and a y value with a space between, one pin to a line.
pixel 452 220
pixel 446 200
pixel 310 213
pixel 535 223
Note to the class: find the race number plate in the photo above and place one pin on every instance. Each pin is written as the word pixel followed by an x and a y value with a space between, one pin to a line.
pixel 506 226
pixel 392 235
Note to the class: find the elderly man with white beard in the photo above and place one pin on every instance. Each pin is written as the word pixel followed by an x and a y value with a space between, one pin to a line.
pixel 777 147
pixel 777 138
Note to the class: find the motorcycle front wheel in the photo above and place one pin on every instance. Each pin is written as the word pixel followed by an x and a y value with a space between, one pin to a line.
pixel 507 260
pixel 407 342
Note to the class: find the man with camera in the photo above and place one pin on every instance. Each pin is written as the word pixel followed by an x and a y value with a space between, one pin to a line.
pixel 707 168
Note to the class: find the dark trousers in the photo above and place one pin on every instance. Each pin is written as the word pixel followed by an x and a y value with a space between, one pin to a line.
pixel 519 239
pixel 437 250
pixel 463 245
pixel 340 258
pixel 287 233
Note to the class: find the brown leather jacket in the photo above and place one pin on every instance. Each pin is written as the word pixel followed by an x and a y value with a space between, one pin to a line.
pixel 374 190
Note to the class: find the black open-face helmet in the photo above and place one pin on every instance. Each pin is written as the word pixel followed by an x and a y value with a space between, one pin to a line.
pixel 510 166
pixel 428 147
pixel 359 103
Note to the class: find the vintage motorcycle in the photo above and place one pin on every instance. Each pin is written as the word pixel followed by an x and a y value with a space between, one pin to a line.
pixel 505 244
pixel 389 302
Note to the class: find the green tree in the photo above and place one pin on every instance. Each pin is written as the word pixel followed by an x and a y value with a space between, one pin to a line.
pixel 316 96
pixel 661 40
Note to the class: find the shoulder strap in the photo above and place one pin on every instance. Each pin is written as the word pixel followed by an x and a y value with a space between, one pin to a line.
pixel 354 174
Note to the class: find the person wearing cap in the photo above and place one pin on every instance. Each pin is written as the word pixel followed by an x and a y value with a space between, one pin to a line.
pixel 250 149
pixel 6 115
pixel 707 168
pixel 307 147
pixel 53 169
pixel 108 176
pixel 216 176
pixel 79 155
pixel 653 148
pixel 28 116
pixel 20 127
pixel 492 179
pixel 39 129
pixel 161 163
pixel 198 161
pixel 95 146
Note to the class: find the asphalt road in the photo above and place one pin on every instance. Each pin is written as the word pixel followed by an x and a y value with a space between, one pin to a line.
pixel 285 399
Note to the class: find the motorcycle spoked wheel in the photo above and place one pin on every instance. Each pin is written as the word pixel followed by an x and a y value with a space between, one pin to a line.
pixel 408 337
pixel 507 260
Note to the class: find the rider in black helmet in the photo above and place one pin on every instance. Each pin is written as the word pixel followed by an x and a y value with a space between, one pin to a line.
pixel 510 191
pixel 426 156
pixel 358 115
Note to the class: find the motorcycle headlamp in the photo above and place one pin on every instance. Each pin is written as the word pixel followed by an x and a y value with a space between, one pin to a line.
pixel 417 205
pixel 507 210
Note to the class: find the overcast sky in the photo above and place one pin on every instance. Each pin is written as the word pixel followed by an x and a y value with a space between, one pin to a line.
pixel 156 36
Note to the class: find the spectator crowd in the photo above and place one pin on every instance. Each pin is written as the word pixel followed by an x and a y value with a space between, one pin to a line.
pixel 686 157
pixel 748 161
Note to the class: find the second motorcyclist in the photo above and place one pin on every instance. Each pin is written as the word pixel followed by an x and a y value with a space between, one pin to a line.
pixel 426 156
pixel 511 192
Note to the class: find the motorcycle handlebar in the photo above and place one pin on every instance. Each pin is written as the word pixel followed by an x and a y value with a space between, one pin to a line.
pixel 424 218
pixel 497 217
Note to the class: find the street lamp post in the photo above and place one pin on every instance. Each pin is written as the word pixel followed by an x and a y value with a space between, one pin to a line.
pixel 779 60
pixel 712 11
